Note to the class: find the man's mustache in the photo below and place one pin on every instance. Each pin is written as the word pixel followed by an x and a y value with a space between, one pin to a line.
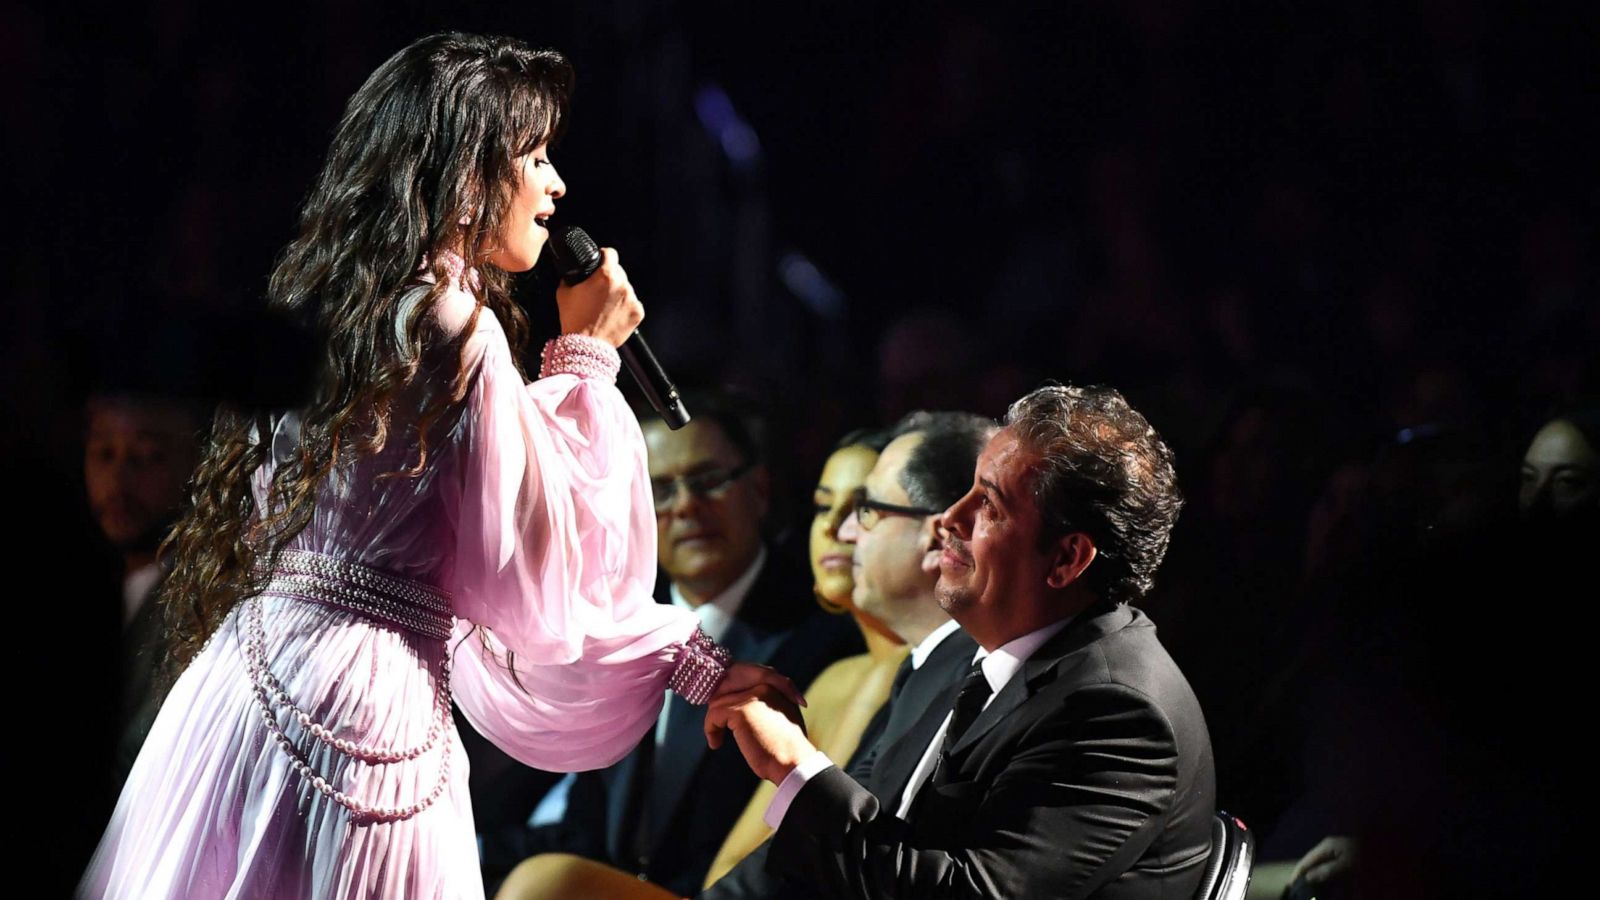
pixel 956 546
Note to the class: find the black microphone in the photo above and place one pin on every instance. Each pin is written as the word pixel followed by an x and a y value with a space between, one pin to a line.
pixel 577 257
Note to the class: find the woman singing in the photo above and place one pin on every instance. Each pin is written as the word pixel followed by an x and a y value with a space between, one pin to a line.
pixel 430 527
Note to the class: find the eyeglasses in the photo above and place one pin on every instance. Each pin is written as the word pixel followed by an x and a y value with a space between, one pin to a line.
pixel 869 512
pixel 706 483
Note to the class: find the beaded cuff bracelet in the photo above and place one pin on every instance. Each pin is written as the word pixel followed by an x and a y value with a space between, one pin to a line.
pixel 701 665
pixel 580 355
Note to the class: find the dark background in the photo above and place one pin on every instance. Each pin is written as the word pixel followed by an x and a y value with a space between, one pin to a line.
pixel 1341 254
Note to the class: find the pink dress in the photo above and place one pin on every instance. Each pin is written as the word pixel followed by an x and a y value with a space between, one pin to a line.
pixel 533 522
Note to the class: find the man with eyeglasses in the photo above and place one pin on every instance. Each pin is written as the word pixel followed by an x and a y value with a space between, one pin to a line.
pixel 926 466
pixel 1072 760
pixel 711 491
pixel 663 811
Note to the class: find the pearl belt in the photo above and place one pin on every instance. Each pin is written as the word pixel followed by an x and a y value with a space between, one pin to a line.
pixel 415 607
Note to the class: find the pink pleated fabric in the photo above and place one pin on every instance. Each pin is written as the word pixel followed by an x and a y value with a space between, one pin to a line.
pixel 534 513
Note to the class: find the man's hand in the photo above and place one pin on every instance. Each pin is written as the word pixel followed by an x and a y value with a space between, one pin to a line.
pixel 1328 862
pixel 767 725
pixel 742 676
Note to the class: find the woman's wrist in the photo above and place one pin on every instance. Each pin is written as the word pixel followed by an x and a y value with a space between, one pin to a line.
pixel 701 665
pixel 580 355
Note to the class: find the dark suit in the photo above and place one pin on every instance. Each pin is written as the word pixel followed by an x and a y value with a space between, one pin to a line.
pixel 1089 773
pixel 144 647
pixel 664 812
pixel 913 693
pixel 874 765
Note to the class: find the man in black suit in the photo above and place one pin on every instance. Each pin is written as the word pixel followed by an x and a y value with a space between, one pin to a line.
pixel 1073 760
pixel 925 467
pixel 663 811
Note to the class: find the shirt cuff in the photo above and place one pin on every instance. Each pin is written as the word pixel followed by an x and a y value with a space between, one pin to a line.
pixel 792 783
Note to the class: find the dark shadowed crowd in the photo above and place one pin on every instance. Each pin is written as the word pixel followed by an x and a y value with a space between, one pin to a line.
pixel 1313 523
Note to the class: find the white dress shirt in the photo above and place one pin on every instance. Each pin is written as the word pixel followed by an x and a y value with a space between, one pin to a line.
pixel 717 613
pixel 925 647
pixel 998 667
pixel 716 617
pixel 136 589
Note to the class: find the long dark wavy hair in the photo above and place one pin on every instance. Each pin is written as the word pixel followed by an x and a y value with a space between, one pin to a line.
pixel 424 164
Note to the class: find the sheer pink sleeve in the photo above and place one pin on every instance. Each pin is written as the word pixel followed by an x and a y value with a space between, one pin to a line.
pixel 561 657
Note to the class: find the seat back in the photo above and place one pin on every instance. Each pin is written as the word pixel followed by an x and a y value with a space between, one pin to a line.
pixel 1233 851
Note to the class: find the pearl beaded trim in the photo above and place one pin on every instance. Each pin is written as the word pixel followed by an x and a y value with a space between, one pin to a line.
pixel 700 668
pixel 391 600
pixel 581 355
pixel 464 278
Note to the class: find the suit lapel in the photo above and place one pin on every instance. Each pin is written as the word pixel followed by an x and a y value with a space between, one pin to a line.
pixel 1090 626
pixel 945 665
pixel 624 798
pixel 681 752
pixel 899 759
pixel 917 712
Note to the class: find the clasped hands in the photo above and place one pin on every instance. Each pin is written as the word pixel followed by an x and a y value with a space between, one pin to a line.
pixel 762 709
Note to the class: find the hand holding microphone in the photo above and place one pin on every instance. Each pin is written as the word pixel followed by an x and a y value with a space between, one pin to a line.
pixel 597 300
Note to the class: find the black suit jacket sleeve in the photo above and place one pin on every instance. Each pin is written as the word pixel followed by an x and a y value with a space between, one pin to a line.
pixel 866 753
pixel 1075 799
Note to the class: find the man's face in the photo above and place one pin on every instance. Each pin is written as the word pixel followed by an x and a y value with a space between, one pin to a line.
pixel 137 458
pixel 707 537
pixel 1560 473
pixel 992 568
pixel 890 582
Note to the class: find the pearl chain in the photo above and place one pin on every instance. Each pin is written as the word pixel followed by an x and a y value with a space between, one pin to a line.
pixel 256 647
pixel 255 656
pixel 418 608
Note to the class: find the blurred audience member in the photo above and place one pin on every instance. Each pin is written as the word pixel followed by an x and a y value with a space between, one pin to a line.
pixel 890 527
pixel 1228 611
pixel 925 361
pixel 663 811
pixel 1561 473
pixel 1324 871
pixel 139 452
pixel 1072 729
pixel 847 694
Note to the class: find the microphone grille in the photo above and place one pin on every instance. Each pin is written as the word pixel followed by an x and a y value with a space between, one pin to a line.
pixel 575 253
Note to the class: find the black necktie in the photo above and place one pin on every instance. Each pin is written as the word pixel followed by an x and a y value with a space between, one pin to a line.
pixel 970 701
pixel 639 842
pixel 900 676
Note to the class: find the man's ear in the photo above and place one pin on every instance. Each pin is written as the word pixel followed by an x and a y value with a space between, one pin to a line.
pixel 1073 552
